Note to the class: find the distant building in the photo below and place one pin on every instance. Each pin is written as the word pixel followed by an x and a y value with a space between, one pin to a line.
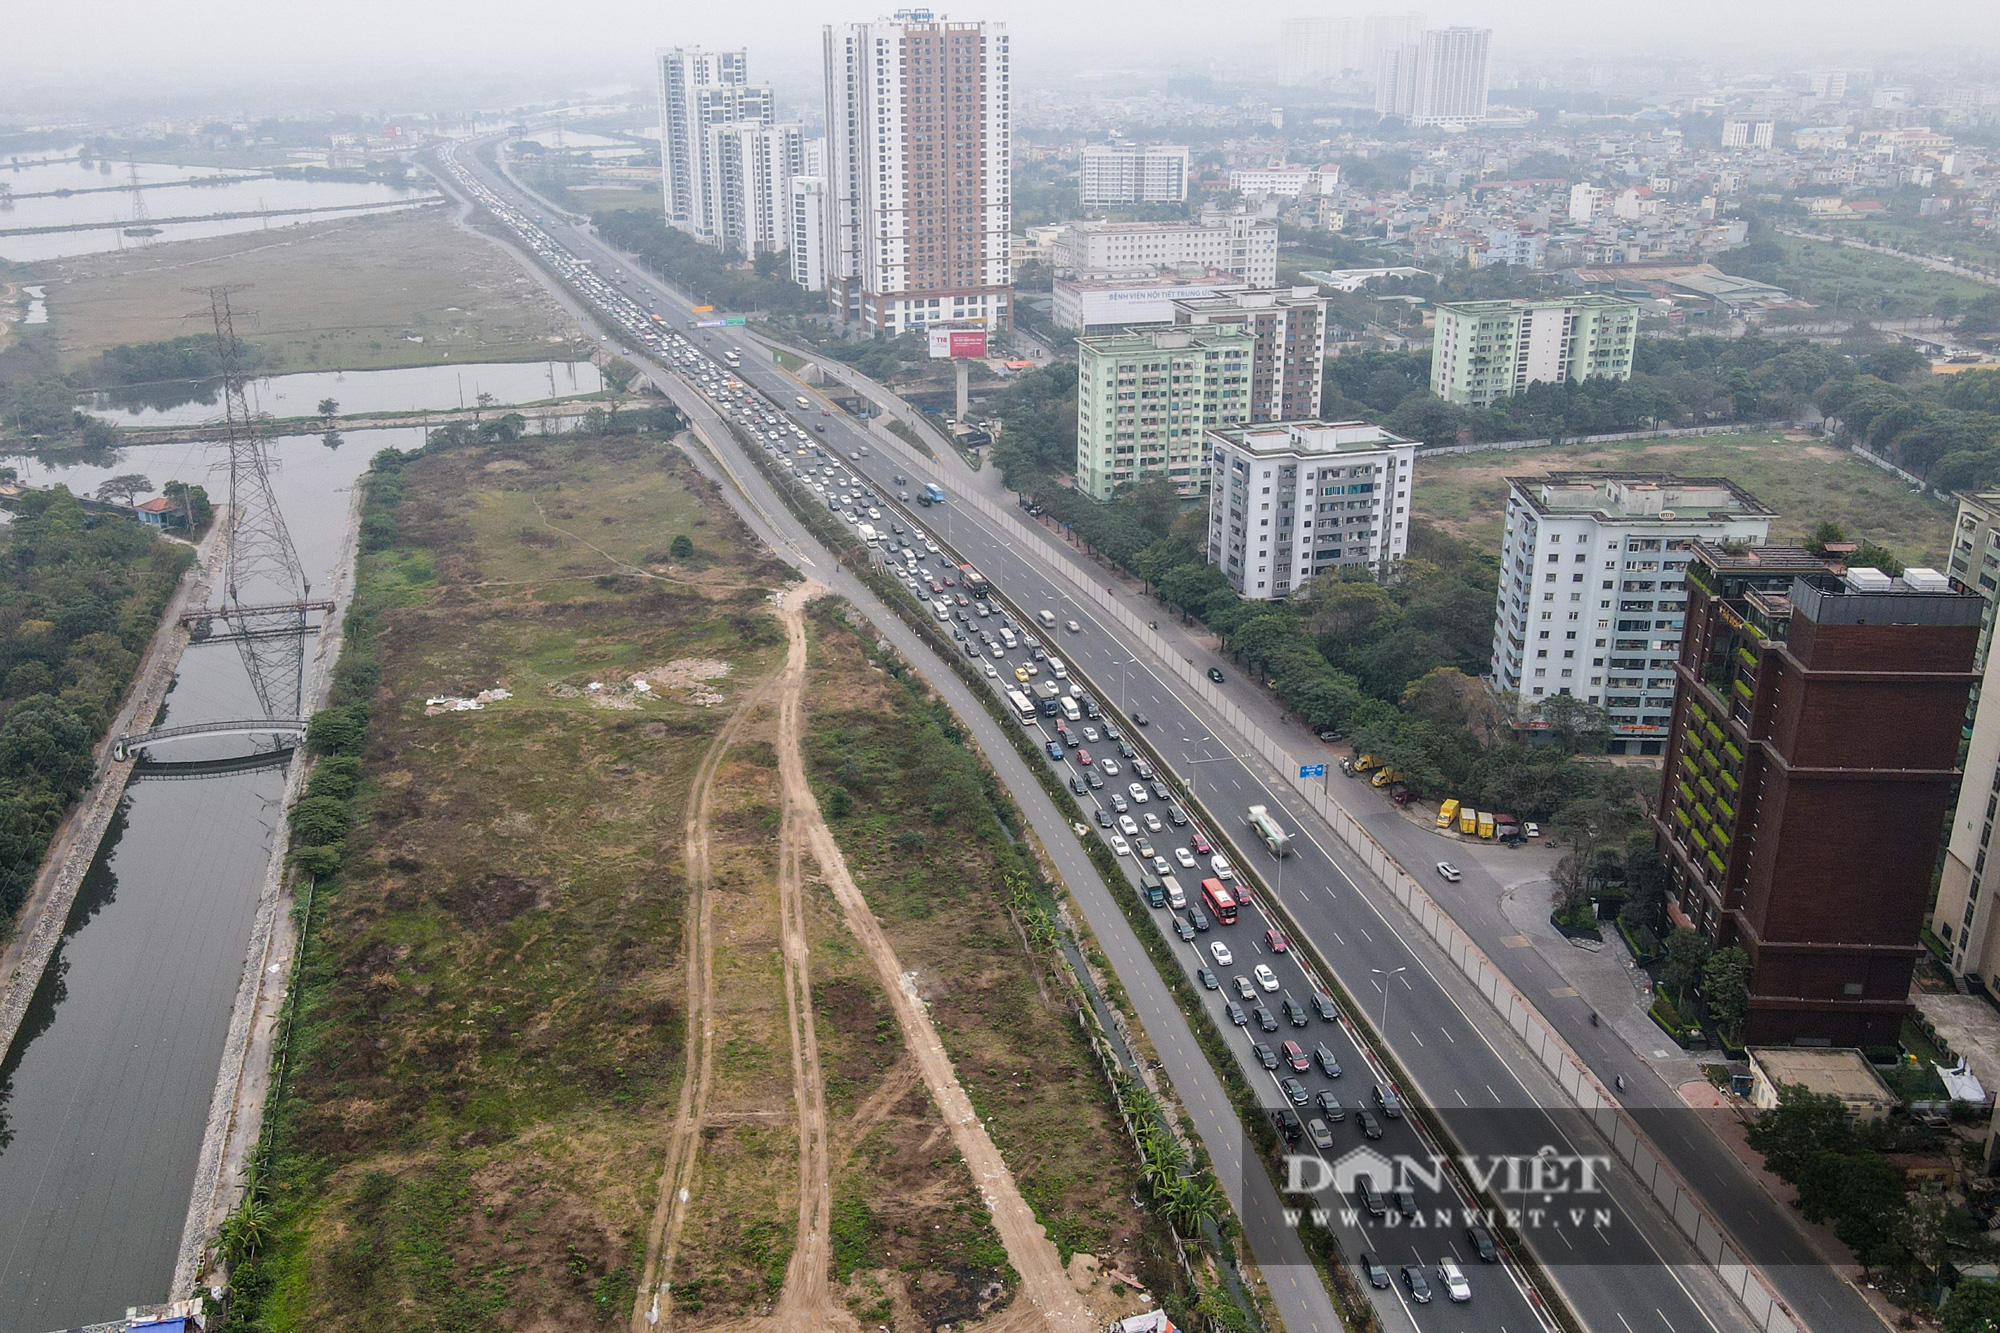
pixel 706 106
pixel 1290 182
pixel 1315 50
pixel 1591 598
pixel 1289 500
pixel 1811 764
pixel 1288 364
pixel 919 150
pixel 683 74
pixel 806 236
pixel 1440 78
pixel 1096 305
pixel 1145 400
pixel 156 512
pixel 749 198
pixel 1488 350
pixel 1126 173
pixel 1739 132
pixel 1585 201
pixel 1238 243
pixel 1962 918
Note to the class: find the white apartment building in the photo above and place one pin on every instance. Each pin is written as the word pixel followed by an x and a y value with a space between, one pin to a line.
pixel 806 231
pixel 1291 182
pixel 1095 305
pixel 1313 50
pixel 1739 132
pixel 1586 201
pixel 683 73
pixel 1963 919
pixel 1238 243
pixel 918 160
pixel 750 198
pixel 1128 173
pixel 1592 592
pixel 1440 78
pixel 1289 500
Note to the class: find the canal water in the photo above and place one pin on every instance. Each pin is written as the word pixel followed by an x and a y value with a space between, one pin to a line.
pixel 105 1094
pixel 408 389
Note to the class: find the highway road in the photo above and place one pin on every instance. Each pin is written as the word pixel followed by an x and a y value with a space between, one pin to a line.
pixel 1442 1034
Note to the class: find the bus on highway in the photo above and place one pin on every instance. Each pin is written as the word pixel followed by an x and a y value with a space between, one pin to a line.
pixel 975 582
pixel 733 357
pixel 1023 710
pixel 1217 900
pixel 1270 830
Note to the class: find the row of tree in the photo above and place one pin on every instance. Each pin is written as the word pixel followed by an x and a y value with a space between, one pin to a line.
pixel 713 277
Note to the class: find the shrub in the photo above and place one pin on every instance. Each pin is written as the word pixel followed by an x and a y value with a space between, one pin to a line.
pixel 320 820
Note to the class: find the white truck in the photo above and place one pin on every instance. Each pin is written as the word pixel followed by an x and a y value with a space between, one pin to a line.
pixel 869 535
pixel 1276 840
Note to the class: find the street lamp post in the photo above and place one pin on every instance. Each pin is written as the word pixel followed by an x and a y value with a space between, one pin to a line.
pixel 1383 1028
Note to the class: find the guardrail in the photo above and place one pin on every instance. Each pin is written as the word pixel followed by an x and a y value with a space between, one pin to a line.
pixel 1709 1239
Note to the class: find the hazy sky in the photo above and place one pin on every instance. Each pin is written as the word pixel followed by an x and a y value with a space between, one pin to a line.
pixel 188 42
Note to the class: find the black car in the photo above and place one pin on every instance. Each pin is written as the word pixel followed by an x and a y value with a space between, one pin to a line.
pixel 1236 1014
pixel 1369 1124
pixel 1378 1274
pixel 1094 782
pixel 1369 1197
pixel 1482 1244
pixel 1265 1055
pixel 1176 816
pixel 1330 1107
pixel 1295 1013
pixel 1125 750
pixel 1215 674
pixel 1197 918
pixel 1405 1200
pixel 1266 1019
pixel 1160 792
pixel 1328 1064
pixel 1140 720
pixel 1326 1007
pixel 1183 929
pixel 1289 1125
pixel 1420 1287
pixel 1207 978
pixel 1391 1104
pixel 1103 817
pixel 1076 785
pixel 1295 1091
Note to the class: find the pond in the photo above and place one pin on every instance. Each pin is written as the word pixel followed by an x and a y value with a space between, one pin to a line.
pixel 359 392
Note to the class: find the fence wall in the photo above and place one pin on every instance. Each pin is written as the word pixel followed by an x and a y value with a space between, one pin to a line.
pixel 1498 446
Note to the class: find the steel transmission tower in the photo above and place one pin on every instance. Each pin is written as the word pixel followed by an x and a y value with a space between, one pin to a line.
pixel 265 591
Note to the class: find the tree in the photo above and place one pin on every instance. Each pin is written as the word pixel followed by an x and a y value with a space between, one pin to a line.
pixel 1725 985
pixel 1802 1124
pixel 125 489
pixel 196 510
pixel 1570 897
pixel 1972 1307
pixel 1575 726
pixel 681 547
pixel 328 409
pixel 1686 951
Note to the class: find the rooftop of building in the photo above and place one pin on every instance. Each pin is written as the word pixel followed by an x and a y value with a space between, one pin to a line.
pixel 1780 581
pixel 1773 560
pixel 1637 497
pixel 1176 337
pixel 1250 298
pixel 1207 221
pixel 1602 300
pixel 1184 275
pixel 1839 1072
pixel 1270 438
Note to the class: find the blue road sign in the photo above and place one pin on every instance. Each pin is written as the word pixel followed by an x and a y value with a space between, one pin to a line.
pixel 1312 770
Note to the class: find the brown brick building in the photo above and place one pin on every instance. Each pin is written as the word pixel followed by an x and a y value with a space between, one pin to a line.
pixel 1290 352
pixel 1809 769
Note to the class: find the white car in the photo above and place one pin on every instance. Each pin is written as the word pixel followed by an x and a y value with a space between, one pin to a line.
pixel 1219 866
pixel 1128 826
pixel 1110 768
pixel 991 674
pixel 1185 857
pixel 1220 952
pixel 1162 867
pixel 1072 627
pixel 1119 847
pixel 1450 872
pixel 1139 793
pixel 1531 830
pixel 1266 977
pixel 1453 1280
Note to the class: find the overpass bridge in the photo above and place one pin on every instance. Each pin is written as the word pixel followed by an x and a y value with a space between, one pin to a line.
pixel 131 743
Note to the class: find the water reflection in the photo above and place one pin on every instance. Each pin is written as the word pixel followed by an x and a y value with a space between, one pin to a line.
pixel 359 392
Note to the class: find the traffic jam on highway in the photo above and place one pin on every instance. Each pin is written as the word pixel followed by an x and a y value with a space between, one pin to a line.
pixel 1327 1093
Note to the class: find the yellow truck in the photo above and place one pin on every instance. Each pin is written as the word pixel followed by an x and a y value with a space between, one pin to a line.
pixel 1448 813
pixel 1384 776
pixel 1364 763
pixel 1485 824
pixel 1468 821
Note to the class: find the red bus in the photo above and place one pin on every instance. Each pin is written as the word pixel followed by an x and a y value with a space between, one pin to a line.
pixel 1220 905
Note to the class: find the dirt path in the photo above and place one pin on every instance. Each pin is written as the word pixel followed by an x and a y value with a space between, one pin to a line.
pixel 1045 1286
pixel 670 1208
pixel 805 1303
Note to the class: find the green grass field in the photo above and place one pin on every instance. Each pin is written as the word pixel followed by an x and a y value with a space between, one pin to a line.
pixel 1804 481
pixel 1840 279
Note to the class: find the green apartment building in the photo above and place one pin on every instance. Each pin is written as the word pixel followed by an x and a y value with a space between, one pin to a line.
pixel 1488 350
pixel 1145 400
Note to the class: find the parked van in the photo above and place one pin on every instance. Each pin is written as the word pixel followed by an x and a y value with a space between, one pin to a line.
pixel 1048 618
pixel 1448 813
pixel 1176 895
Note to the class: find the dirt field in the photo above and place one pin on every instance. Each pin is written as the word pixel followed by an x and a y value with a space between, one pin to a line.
pixel 1804 480
pixel 349 295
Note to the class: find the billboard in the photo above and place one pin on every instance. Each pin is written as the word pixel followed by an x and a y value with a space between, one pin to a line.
pixel 954 343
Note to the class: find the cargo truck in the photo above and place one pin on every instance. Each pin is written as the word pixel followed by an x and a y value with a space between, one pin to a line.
pixel 1448 813
pixel 1276 840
